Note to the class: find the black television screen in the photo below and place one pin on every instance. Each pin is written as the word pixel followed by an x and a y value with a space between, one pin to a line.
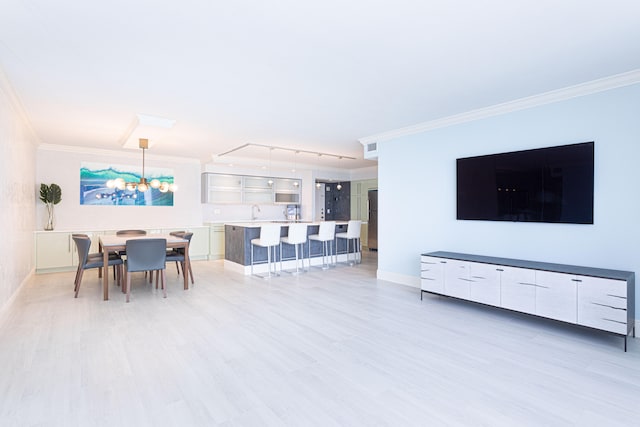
pixel 553 184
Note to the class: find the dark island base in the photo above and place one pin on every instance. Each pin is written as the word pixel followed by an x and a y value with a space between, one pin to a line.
pixel 238 238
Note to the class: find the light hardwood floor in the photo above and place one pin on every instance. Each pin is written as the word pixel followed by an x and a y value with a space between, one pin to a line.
pixel 326 348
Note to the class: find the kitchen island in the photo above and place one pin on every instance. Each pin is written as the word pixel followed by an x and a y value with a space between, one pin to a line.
pixel 237 244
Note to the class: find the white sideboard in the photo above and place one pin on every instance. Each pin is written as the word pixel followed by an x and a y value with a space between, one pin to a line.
pixel 592 297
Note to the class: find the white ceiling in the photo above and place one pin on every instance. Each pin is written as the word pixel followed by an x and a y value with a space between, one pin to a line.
pixel 292 73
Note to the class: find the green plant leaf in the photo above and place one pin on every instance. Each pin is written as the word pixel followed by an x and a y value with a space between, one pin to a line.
pixel 44 193
pixel 55 193
pixel 50 194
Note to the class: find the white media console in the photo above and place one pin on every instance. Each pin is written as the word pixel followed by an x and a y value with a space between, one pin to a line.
pixel 592 297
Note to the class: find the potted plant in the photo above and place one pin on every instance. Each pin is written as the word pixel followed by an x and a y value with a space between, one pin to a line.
pixel 50 195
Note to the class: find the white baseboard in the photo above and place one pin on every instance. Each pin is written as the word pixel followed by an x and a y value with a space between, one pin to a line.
pixel 402 279
pixel 5 307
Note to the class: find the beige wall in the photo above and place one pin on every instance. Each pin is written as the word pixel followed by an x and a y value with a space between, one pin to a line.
pixel 17 193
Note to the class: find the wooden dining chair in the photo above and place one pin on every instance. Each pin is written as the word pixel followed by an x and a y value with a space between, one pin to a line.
pixel 145 255
pixel 93 260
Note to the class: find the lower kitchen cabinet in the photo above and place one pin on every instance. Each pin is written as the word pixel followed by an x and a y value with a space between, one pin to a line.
pixel 216 237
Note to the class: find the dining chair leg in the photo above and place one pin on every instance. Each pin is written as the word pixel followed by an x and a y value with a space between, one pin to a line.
pixel 190 270
pixel 164 285
pixel 178 269
pixel 127 284
pixel 81 272
pixel 75 281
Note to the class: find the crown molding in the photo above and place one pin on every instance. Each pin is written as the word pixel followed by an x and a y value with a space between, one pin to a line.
pixel 124 153
pixel 582 89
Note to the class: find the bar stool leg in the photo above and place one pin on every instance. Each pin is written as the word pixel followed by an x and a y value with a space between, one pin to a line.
pixel 269 260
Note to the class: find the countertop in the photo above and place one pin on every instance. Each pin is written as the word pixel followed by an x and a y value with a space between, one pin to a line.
pixel 257 224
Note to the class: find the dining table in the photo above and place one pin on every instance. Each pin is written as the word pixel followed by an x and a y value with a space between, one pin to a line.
pixel 111 243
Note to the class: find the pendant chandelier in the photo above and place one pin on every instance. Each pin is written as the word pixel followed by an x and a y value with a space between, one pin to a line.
pixel 143 184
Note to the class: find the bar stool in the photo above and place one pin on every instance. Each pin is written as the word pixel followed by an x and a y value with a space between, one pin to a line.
pixel 352 235
pixel 326 234
pixel 269 238
pixel 297 236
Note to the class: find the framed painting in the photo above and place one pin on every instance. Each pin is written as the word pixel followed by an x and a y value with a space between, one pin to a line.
pixel 117 185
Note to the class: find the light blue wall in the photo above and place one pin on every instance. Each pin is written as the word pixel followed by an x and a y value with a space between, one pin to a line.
pixel 417 187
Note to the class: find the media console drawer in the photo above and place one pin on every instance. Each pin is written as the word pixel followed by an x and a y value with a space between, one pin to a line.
pixel 592 297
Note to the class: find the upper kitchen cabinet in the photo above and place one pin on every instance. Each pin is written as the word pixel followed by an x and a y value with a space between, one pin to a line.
pixel 287 191
pixel 257 189
pixel 219 188
pixel 237 189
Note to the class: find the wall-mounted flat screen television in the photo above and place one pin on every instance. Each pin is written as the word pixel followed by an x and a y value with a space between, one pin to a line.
pixel 553 184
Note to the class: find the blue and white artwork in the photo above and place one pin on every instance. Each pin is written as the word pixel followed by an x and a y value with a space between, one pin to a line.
pixel 115 185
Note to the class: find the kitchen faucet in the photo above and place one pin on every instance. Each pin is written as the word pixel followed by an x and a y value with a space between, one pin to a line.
pixel 254 215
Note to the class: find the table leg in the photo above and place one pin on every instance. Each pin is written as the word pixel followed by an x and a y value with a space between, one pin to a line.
pixel 187 266
pixel 105 276
pixel 100 269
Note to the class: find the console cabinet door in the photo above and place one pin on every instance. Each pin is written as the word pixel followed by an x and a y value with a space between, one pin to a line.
pixel 456 279
pixel 602 304
pixel 556 296
pixel 484 283
pixel 518 289
pixel 54 250
pixel 432 274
